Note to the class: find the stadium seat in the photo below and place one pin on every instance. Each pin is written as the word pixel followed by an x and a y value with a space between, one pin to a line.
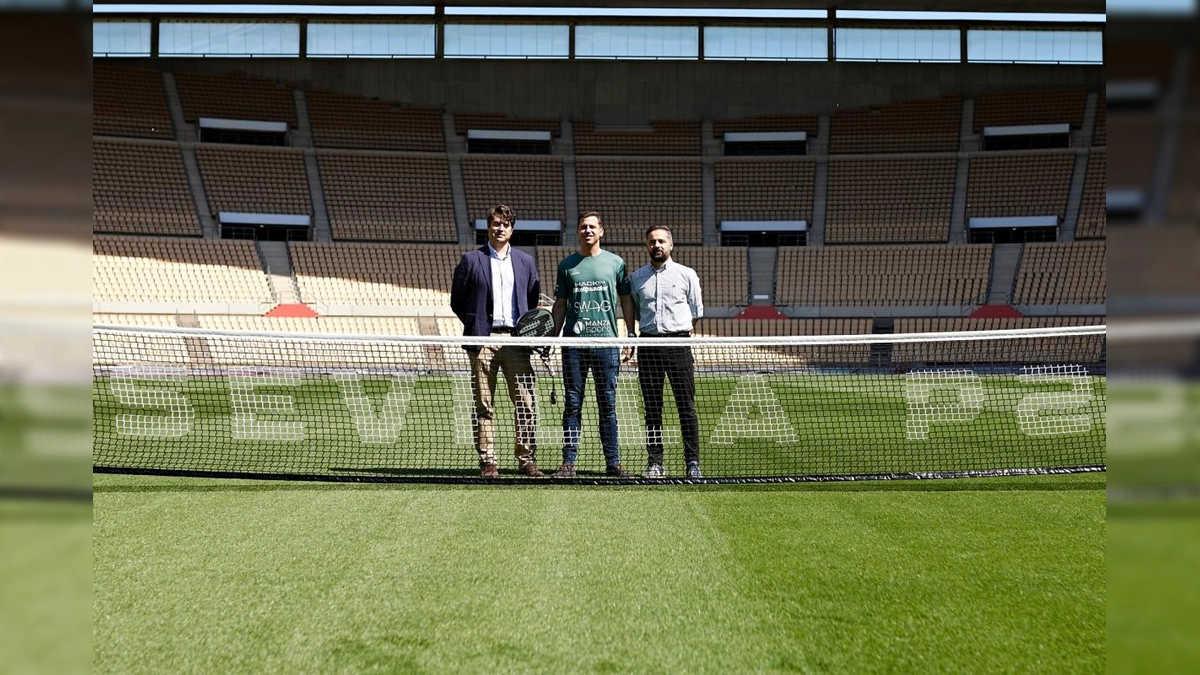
pixel 141 188
pixel 388 197
pixel 883 200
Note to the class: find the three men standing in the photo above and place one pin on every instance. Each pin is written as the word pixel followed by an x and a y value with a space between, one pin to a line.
pixel 496 284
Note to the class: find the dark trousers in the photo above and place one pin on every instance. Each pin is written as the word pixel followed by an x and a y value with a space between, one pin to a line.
pixel 674 364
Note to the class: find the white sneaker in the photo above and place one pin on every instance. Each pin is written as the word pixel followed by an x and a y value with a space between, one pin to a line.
pixel 693 470
pixel 655 471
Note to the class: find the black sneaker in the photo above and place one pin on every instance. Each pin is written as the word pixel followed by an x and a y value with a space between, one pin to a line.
pixel 693 470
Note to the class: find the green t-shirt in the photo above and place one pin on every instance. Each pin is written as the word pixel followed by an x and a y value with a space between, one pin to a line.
pixel 590 285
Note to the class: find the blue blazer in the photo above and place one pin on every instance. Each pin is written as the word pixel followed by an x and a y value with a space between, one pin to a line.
pixel 471 292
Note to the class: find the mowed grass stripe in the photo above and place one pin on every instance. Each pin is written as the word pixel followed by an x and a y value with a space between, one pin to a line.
pixel 422 580
pixel 598 580
pixel 932 582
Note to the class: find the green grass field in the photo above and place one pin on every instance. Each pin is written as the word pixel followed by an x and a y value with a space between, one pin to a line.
pixel 985 575
pixel 840 424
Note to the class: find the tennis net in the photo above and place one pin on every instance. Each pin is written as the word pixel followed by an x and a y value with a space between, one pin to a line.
pixel 371 408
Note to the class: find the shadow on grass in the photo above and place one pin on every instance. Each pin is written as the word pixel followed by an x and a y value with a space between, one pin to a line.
pixel 1059 483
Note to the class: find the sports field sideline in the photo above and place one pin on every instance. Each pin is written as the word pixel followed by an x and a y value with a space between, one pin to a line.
pixel 980 575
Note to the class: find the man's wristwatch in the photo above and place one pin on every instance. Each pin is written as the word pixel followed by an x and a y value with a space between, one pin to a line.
pixel 631 334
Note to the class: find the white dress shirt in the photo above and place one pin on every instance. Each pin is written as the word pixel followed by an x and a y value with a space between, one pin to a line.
pixel 668 298
pixel 504 299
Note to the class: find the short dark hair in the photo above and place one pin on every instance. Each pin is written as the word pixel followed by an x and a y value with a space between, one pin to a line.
pixel 664 228
pixel 589 214
pixel 503 213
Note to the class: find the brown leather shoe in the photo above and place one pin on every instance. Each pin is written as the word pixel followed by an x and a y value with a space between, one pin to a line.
pixel 617 471
pixel 489 471
pixel 530 469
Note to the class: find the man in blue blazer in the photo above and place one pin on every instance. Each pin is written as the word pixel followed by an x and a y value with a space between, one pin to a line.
pixel 493 286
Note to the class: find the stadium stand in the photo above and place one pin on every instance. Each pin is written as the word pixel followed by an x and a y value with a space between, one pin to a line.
pixel 882 275
pixel 448 325
pixel 805 123
pixel 883 200
pixel 1084 349
pixel 157 320
pixel 953 324
pixel 129 102
pixel 141 188
pixel 663 138
pixel 234 96
pixel 1092 214
pixel 907 126
pixel 1062 273
pixel 406 275
pixel 1174 250
pixel 1100 136
pixel 634 194
pixel 532 186
pixel 254 180
pixel 151 269
pixel 1043 106
pixel 764 189
pixel 345 121
pixel 388 197
pixel 851 354
pixel 344 325
pixel 464 122
pixel 1019 184
pixel 777 327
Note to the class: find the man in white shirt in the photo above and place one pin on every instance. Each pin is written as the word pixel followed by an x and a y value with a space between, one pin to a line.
pixel 668 301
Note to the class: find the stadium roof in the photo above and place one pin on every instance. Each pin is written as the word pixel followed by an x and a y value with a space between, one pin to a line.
pixel 1032 6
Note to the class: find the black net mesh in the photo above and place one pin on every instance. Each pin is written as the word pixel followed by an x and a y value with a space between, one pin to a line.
pixel 351 408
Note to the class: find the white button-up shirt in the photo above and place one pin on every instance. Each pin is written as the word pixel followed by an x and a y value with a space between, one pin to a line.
pixel 667 298
pixel 504 300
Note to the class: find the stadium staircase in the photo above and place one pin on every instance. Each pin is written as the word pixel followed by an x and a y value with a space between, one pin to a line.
pixel 277 263
pixel 566 147
pixel 816 228
pixel 762 275
pixel 208 224
pixel 1074 198
pixel 455 149
pixel 881 352
pixel 709 147
pixel 186 134
pixel 320 223
pixel 1006 258
pixel 967 140
pixel 176 108
pixel 302 136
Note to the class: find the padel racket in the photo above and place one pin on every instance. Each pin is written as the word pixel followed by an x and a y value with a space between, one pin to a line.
pixel 538 322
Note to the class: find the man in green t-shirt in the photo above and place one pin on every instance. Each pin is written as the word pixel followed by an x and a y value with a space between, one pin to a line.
pixel 586 292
